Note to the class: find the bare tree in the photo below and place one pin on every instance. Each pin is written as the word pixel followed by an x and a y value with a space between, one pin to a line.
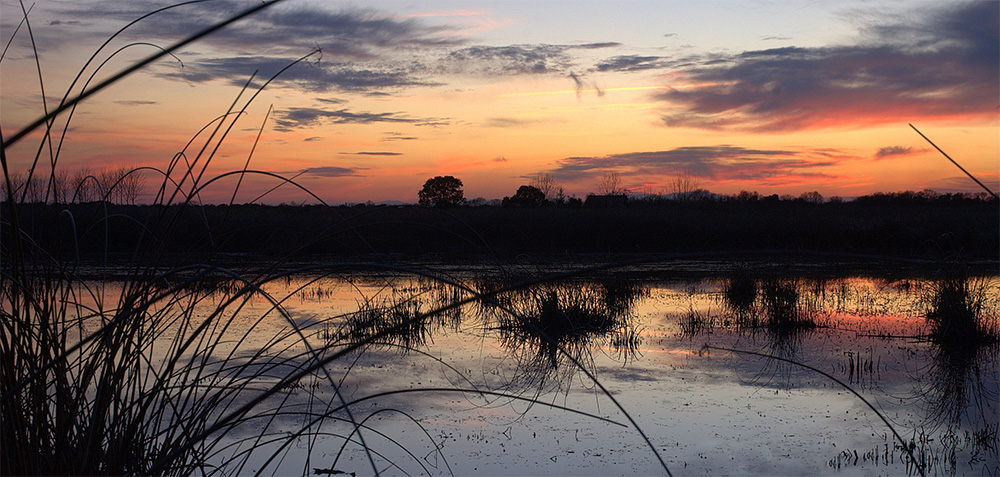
pixel 813 197
pixel 83 187
pixel 131 185
pixel 684 186
pixel 546 183
pixel 24 190
pixel 610 184
pixel 16 182
pixel 106 182
pixel 60 187
pixel 120 185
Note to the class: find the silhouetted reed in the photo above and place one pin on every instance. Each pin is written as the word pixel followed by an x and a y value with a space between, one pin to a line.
pixel 781 301
pixel 570 316
pixel 741 291
pixel 961 390
pixel 392 320
pixel 956 306
pixel 694 323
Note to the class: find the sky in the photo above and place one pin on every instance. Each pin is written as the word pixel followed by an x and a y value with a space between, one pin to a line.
pixel 779 97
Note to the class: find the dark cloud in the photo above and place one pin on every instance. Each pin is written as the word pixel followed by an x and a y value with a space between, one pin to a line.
pixel 506 60
pixel 303 117
pixel 331 100
pixel 316 76
pixel 941 65
pixel 397 136
pixel 125 102
pixel 889 151
pixel 595 46
pixel 332 171
pixel 631 63
pixel 723 162
pixel 362 50
pixel 365 27
pixel 377 153
pixel 290 28
pixel 509 122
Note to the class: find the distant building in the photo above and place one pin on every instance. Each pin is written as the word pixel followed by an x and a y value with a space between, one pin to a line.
pixel 606 201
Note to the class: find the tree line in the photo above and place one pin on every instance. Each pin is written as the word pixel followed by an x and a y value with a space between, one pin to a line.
pixel 118 185
pixel 542 190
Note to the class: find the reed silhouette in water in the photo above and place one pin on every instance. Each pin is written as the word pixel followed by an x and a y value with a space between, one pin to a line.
pixel 962 391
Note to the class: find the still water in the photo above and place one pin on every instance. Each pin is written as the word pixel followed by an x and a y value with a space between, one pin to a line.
pixel 617 374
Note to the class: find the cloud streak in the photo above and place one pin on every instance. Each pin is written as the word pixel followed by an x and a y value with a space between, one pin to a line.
pixel 310 76
pixel 510 122
pixel 941 66
pixel 631 63
pixel 718 163
pixel 293 118
pixel 891 151
pixel 506 60
pixel 332 171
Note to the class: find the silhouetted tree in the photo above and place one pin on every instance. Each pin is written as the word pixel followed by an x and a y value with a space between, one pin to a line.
pixel 813 197
pixel 526 196
pixel 610 184
pixel 121 185
pixel 441 191
pixel 684 187
pixel 547 184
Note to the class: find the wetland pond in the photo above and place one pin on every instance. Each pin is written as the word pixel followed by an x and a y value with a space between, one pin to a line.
pixel 732 370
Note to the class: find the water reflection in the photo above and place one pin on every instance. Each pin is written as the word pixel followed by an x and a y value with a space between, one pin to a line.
pixel 770 308
pixel 962 389
pixel 572 317
pixel 958 389
pixel 869 333
pixel 543 328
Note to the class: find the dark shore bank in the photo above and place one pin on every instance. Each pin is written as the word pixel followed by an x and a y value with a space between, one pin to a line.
pixel 964 230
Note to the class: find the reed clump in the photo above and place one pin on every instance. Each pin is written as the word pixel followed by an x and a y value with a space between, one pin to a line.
pixel 569 317
pixel 957 312
pixel 393 320
pixel 741 289
pixel 782 307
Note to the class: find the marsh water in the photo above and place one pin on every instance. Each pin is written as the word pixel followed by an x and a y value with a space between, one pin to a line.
pixel 608 373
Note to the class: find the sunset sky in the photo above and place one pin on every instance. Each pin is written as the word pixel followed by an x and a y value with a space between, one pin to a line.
pixel 774 96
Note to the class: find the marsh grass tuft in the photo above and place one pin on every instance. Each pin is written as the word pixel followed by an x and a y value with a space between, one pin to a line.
pixel 781 301
pixel 393 319
pixel 740 292
pixel 956 312
pixel 563 316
